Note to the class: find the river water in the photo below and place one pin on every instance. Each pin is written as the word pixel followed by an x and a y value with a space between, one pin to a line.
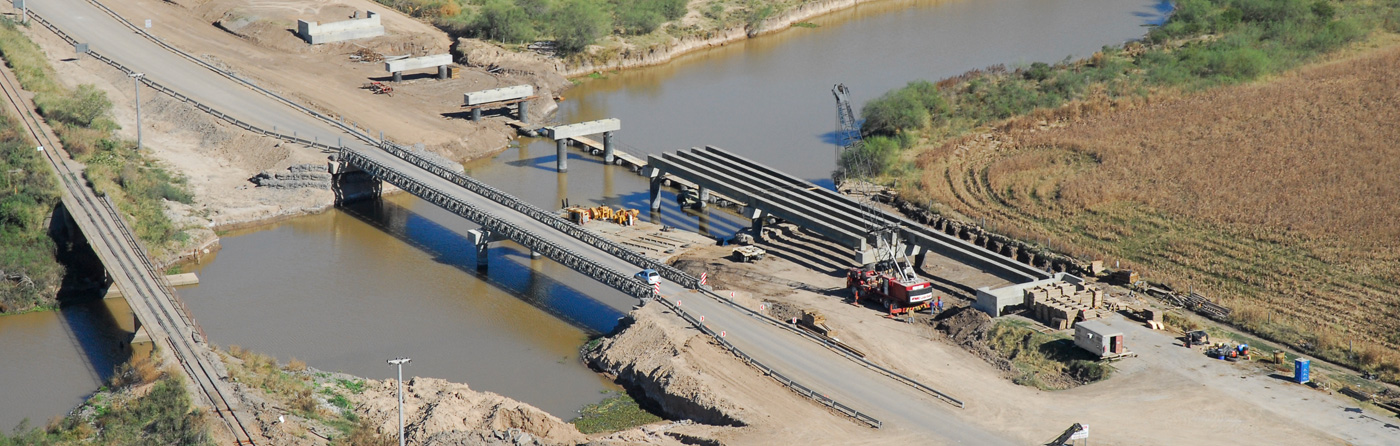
pixel 350 288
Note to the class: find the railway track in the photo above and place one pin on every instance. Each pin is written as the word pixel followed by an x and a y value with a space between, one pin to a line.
pixel 156 306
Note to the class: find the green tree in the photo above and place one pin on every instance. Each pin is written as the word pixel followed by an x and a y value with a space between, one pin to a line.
pixel 892 113
pixel 505 21
pixel 578 23
pixel 638 16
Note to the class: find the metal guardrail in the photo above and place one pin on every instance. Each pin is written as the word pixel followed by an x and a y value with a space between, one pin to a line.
pixel 163 89
pixel 859 360
pixel 625 283
pixel 230 75
pixel 546 217
pixel 779 377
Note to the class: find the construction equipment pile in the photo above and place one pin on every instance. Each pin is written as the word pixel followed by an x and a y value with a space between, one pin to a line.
pixel 1061 305
pixel 621 216
pixel 366 55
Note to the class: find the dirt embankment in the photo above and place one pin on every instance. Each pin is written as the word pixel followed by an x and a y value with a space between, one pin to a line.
pixel 658 356
pixel 440 412
pixel 631 56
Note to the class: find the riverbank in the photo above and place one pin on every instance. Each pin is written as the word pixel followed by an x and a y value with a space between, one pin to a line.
pixel 622 54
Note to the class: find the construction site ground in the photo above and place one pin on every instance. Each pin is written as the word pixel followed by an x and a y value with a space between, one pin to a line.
pixel 257 41
pixel 1168 394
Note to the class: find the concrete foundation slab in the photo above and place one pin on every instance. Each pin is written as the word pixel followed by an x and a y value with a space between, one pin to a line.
pixel 315 34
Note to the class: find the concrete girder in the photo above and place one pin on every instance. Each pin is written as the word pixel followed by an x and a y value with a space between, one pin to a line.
pixel 935 241
pixel 715 181
pixel 794 201
pixel 763 183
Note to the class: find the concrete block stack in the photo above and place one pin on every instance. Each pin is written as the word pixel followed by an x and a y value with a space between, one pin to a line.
pixel 1061 305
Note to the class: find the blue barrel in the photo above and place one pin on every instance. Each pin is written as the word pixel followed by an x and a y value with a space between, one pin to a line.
pixel 1300 370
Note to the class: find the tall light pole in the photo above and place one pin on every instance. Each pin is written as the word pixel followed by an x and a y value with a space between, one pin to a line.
pixel 136 83
pixel 400 362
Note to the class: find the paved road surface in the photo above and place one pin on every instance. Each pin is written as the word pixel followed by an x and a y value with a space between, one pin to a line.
pixel 897 405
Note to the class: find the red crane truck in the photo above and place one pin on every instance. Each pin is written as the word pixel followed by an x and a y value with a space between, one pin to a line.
pixel 900 293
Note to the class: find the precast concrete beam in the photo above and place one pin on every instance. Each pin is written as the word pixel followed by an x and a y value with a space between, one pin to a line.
pixel 780 206
pixel 944 244
pixel 718 184
pixel 583 128
pixel 498 94
pixel 414 63
pixel 763 183
pixel 742 185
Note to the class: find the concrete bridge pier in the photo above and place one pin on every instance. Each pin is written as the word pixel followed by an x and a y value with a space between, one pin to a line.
pixel 398 76
pixel 758 216
pixel 561 148
pixel 919 254
pixel 349 183
pixel 608 147
pixel 522 111
pixel 481 239
pixel 704 200
pixel 476 114
pixel 655 193
pixel 442 72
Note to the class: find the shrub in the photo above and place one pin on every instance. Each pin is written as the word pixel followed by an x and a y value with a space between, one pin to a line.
pixel 633 18
pixel 505 21
pixel 892 113
pixel 870 158
pixel 578 23
pixel 1088 371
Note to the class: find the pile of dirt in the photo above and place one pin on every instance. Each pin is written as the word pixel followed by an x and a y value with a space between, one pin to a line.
pixel 782 311
pixel 274 25
pixel 968 327
pixel 657 356
pixel 438 412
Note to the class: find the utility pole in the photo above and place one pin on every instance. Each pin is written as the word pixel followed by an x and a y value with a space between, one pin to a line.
pixel 400 362
pixel 136 83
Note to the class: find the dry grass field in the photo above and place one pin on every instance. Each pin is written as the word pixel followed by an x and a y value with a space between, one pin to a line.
pixel 1279 199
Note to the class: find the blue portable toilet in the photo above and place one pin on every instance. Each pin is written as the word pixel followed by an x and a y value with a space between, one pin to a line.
pixel 1300 370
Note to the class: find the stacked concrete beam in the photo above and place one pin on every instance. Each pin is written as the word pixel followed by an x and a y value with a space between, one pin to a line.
pixel 921 237
pixel 316 34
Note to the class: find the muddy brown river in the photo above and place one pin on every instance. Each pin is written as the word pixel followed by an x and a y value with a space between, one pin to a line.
pixel 350 288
